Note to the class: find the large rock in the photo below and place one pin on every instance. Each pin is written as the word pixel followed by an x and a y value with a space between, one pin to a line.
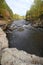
pixel 17 57
pixel 3 42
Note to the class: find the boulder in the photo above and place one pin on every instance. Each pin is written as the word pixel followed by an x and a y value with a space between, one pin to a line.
pixel 12 56
pixel 3 41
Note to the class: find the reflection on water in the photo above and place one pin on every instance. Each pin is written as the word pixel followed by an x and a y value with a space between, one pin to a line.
pixel 29 39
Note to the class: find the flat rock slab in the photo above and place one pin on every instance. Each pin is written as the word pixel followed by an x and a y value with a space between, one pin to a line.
pixel 12 56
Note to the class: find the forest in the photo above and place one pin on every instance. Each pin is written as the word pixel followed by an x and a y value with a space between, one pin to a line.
pixel 35 14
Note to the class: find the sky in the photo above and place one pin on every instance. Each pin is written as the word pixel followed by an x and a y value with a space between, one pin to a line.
pixel 20 6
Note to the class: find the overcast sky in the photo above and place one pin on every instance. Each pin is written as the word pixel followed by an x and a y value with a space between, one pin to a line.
pixel 20 6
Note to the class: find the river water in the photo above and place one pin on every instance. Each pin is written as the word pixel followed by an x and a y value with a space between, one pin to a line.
pixel 25 37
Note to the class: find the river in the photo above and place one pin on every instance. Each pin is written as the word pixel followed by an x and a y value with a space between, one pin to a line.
pixel 25 37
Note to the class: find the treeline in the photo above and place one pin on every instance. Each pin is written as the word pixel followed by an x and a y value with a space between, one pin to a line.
pixel 36 11
pixel 18 17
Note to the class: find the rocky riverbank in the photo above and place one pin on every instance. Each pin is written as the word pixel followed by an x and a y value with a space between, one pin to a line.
pixel 38 23
pixel 13 56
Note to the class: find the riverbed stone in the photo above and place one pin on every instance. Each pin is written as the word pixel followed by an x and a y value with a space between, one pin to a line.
pixel 13 56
